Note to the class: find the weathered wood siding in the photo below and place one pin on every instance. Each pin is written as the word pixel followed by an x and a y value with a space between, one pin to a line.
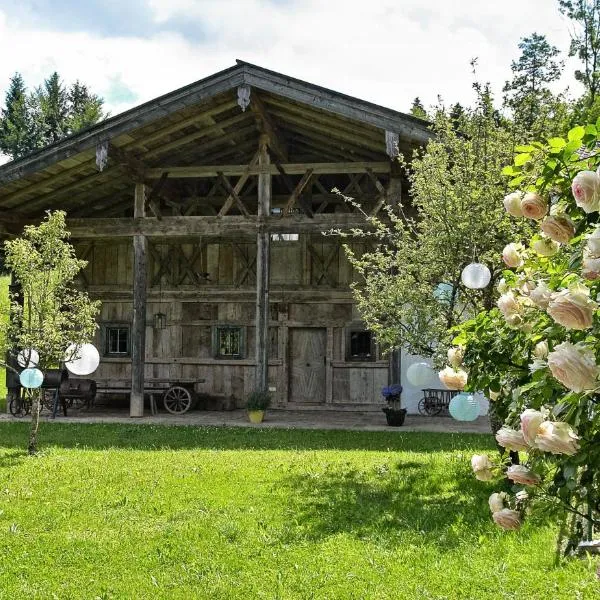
pixel 201 284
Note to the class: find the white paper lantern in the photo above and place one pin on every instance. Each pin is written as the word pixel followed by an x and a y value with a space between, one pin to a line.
pixel 476 276
pixel 82 360
pixel 418 374
pixel 28 358
pixel 464 407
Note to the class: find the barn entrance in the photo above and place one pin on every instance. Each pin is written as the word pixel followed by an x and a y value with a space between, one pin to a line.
pixel 307 351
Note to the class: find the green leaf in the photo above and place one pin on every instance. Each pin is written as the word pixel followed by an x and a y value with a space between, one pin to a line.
pixel 525 149
pixel 576 134
pixel 521 159
pixel 557 142
pixel 516 182
pixel 510 170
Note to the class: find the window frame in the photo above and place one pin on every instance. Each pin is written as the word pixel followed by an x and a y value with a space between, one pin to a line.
pixel 242 342
pixel 106 328
pixel 362 357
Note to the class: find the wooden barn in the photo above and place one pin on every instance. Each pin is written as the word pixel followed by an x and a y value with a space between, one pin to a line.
pixel 201 215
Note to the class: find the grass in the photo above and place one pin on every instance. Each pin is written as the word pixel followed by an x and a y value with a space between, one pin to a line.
pixel 119 511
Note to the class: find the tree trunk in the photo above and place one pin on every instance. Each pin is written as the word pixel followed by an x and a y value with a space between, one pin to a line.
pixel 35 422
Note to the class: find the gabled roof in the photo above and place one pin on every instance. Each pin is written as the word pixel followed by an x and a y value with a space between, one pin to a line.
pixel 202 124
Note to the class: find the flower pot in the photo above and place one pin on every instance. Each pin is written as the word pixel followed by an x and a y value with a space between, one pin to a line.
pixel 394 416
pixel 256 416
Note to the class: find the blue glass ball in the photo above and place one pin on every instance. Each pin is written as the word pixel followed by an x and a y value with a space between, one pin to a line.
pixel 443 292
pixel 31 378
pixel 464 407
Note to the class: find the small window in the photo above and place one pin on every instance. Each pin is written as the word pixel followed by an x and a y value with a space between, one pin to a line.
pixel 284 237
pixel 361 346
pixel 229 342
pixel 117 340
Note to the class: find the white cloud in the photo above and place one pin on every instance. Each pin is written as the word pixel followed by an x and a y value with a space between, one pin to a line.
pixel 387 52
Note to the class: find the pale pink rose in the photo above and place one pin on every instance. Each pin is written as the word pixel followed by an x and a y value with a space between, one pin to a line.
pixel 522 475
pixel 534 206
pixel 512 204
pixel 453 379
pixel 507 519
pixel 496 501
pixel 482 467
pixel 574 366
pixel 530 423
pixel 558 228
pixel 585 188
pixel 572 308
pixel 591 268
pixel 503 286
pixel 541 350
pixel 540 295
pixel 593 244
pixel 455 356
pixel 511 255
pixel 545 247
pixel 511 439
pixel 557 437
pixel 508 304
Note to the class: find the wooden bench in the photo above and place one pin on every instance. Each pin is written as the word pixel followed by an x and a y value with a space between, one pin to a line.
pixel 179 395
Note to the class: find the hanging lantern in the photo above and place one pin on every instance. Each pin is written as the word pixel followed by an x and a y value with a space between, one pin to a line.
pixel 464 407
pixel 443 292
pixel 418 374
pixel 82 360
pixel 476 276
pixel 28 358
pixel 31 378
pixel 160 320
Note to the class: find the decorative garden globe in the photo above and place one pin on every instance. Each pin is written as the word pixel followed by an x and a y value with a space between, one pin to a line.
pixel 28 358
pixel 418 374
pixel 443 292
pixel 83 360
pixel 464 407
pixel 31 378
pixel 476 276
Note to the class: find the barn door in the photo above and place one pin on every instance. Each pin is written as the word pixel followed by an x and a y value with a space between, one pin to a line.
pixel 307 346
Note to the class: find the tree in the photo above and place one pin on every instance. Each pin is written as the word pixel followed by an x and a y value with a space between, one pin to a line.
pixel 538 351
pixel 417 109
pixel 50 314
pixel 527 93
pixel 585 43
pixel 53 111
pixel 16 127
pixel 411 293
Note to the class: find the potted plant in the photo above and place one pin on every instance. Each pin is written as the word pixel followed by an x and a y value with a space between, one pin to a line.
pixel 256 404
pixel 394 413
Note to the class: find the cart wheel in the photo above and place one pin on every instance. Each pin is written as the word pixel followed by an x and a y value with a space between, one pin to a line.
pixel 433 406
pixel 16 407
pixel 177 400
pixel 421 406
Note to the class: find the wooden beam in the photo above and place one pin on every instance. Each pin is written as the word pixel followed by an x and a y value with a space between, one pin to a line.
pixel 263 249
pixel 152 198
pixel 275 139
pixel 326 168
pixel 233 192
pixel 138 326
pixel 296 194
pixel 209 226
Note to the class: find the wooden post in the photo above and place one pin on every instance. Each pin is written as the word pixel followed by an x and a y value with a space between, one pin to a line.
pixel 263 246
pixel 138 327
pixel 395 367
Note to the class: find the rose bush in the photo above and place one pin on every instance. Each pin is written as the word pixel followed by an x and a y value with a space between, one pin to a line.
pixel 537 355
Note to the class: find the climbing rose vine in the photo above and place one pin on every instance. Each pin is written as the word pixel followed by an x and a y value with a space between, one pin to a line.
pixel 537 354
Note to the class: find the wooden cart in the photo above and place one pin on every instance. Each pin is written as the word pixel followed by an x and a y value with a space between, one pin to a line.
pixel 435 401
pixel 178 395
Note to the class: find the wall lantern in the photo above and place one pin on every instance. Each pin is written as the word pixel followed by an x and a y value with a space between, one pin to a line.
pixel 160 320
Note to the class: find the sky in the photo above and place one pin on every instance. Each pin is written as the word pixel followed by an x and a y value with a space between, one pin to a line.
pixel 387 52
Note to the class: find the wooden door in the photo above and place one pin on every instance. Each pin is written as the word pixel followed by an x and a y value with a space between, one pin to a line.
pixel 307 347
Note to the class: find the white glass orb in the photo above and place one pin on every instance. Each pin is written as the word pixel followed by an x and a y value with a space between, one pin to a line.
pixel 418 374
pixel 28 358
pixel 82 360
pixel 476 276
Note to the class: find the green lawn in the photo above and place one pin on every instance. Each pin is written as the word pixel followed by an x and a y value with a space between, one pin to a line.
pixel 131 511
